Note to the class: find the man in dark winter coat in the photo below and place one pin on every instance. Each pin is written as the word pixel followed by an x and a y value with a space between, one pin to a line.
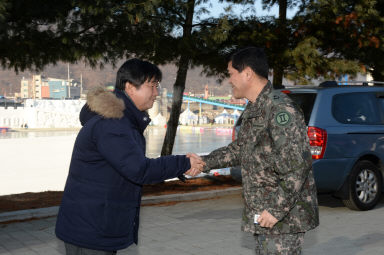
pixel 99 212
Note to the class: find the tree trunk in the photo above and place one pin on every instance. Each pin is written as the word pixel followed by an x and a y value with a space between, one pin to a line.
pixel 278 69
pixel 177 100
pixel 278 73
pixel 378 73
pixel 179 86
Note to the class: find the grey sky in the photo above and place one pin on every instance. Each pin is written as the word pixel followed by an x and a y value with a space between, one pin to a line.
pixel 217 8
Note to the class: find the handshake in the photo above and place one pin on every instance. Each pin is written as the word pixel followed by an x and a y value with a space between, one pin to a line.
pixel 197 164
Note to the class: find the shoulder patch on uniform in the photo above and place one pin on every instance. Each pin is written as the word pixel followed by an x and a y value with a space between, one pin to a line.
pixel 283 118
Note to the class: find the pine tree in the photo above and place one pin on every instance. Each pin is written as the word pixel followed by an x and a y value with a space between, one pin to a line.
pixel 351 30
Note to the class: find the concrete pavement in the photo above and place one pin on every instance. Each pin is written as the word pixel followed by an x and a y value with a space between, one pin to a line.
pixel 212 227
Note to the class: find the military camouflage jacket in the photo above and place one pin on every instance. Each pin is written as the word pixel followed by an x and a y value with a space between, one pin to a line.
pixel 273 150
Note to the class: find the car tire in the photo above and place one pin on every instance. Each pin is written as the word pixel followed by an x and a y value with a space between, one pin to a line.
pixel 365 186
pixel 236 174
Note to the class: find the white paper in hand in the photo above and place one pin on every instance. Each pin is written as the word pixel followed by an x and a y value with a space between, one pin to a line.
pixel 256 217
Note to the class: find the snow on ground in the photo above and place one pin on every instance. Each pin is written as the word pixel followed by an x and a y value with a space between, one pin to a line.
pixel 45 160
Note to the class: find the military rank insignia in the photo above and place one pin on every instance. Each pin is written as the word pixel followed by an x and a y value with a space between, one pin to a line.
pixel 283 118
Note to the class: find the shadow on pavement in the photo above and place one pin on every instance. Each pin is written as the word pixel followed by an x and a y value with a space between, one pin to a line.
pixel 330 201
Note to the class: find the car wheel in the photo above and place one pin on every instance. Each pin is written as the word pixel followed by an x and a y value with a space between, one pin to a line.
pixel 365 185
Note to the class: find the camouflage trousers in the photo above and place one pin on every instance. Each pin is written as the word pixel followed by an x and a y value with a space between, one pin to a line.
pixel 284 244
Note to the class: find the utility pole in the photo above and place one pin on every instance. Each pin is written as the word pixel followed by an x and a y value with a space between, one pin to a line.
pixel 33 87
pixel 81 84
pixel 69 88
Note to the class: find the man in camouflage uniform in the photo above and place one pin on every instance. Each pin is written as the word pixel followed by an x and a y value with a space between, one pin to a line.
pixel 273 150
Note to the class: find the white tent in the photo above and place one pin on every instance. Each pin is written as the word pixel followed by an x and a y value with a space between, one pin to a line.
pixel 203 120
pixel 224 118
pixel 236 113
pixel 188 118
pixel 159 120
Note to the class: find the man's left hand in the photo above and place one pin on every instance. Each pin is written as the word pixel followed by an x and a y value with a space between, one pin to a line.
pixel 266 220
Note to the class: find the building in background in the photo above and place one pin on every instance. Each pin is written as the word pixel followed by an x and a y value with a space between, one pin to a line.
pixel 40 87
pixel 63 89
pixel 25 90
pixel 35 88
pixel 206 92
pixel 45 90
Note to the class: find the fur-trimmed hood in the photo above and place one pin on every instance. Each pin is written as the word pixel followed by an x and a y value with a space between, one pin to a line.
pixel 113 105
pixel 105 103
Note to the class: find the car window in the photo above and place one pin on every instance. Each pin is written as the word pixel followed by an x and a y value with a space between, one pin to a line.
pixel 305 101
pixel 356 108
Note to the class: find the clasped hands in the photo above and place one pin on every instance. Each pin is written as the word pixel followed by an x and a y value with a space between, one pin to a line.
pixel 197 164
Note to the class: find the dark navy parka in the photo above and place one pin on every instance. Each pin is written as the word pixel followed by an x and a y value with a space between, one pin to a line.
pixel 101 202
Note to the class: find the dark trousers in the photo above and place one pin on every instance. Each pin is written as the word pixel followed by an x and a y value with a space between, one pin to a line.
pixel 71 249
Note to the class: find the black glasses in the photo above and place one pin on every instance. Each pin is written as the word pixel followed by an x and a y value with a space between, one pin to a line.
pixel 154 84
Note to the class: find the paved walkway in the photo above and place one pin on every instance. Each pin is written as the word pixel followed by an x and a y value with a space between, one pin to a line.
pixel 212 227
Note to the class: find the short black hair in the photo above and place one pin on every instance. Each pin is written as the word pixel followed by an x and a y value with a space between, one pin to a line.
pixel 136 72
pixel 253 58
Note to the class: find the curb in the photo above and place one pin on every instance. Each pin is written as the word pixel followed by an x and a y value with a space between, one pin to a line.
pixel 29 214
pixel 152 200
pixel 147 200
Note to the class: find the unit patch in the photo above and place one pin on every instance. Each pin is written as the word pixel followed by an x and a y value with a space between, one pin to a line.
pixel 283 118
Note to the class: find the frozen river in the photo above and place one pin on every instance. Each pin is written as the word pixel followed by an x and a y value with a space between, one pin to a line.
pixel 39 161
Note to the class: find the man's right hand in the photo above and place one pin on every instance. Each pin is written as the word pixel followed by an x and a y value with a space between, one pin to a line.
pixel 267 220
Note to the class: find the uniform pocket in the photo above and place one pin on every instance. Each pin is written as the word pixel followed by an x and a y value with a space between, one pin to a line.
pixel 249 128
